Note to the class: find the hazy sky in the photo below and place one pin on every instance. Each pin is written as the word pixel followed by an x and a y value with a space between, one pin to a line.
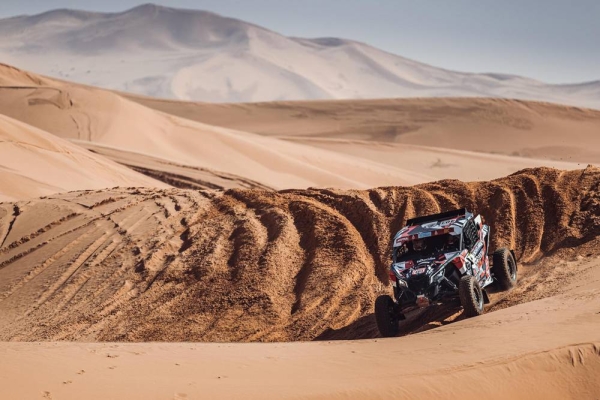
pixel 551 40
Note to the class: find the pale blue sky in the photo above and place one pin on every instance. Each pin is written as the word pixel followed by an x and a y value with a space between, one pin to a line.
pixel 551 40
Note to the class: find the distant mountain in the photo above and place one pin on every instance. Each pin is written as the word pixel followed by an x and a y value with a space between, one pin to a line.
pixel 198 55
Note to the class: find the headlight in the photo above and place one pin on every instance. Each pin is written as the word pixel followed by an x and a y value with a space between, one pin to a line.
pixel 402 282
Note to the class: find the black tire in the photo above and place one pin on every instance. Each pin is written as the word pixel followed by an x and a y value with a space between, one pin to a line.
pixel 504 269
pixel 386 316
pixel 471 296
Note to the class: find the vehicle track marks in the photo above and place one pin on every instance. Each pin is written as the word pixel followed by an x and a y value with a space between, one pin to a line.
pixel 248 265
pixel 16 212
pixel 72 269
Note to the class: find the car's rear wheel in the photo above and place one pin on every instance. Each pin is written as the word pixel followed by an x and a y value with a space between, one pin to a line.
pixel 471 296
pixel 504 269
pixel 386 316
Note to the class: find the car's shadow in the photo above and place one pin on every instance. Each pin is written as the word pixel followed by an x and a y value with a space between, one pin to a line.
pixel 417 321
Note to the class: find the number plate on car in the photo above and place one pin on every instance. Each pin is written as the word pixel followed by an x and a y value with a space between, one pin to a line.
pixel 417 271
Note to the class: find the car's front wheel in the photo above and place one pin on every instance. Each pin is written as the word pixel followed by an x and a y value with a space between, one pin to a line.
pixel 386 316
pixel 471 296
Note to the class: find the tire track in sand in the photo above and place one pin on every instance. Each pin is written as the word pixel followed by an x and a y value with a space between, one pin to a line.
pixel 252 265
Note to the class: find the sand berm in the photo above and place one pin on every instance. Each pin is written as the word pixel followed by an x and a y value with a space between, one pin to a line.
pixel 135 264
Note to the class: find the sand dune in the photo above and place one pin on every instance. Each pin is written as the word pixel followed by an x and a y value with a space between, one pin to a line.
pixel 438 163
pixel 518 128
pixel 297 146
pixel 250 265
pixel 15 77
pixel 170 227
pixel 197 55
pixel 292 265
pixel 35 163
pixel 544 350
pixel 107 119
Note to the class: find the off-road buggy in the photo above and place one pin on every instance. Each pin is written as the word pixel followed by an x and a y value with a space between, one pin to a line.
pixel 443 258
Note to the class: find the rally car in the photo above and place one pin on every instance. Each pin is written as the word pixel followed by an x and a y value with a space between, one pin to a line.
pixel 443 258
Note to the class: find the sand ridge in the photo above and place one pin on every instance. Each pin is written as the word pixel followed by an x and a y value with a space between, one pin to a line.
pixel 268 266
pixel 136 264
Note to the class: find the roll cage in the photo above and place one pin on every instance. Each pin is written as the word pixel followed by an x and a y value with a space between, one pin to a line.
pixel 468 236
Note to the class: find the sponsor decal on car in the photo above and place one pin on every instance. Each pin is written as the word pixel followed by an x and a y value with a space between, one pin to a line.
pixel 446 223
pixel 477 253
pixel 437 225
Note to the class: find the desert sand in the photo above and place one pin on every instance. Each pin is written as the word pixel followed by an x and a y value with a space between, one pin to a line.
pixel 172 265
pixel 353 144
pixel 124 264
pixel 546 349
pixel 497 126
pixel 118 285
pixel 36 163
pixel 153 248
pixel 107 119
pixel 169 232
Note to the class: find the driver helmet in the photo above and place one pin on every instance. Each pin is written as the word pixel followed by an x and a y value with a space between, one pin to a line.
pixel 419 245
pixel 452 240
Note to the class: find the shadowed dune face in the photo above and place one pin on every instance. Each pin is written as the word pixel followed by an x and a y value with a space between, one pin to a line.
pixel 249 265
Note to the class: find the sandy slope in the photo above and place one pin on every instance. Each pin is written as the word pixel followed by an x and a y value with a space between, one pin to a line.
pixel 196 154
pixel 177 175
pixel 196 55
pixel 34 163
pixel 107 119
pixel 169 265
pixel 290 265
pixel 175 265
pixel 529 129
pixel 436 162
pixel 548 349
